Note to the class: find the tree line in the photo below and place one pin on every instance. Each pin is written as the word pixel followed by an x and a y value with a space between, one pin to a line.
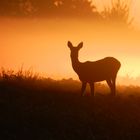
pixel 47 8
pixel 118 12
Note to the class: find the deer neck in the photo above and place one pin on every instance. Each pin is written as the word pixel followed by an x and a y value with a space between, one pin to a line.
pixel 75 63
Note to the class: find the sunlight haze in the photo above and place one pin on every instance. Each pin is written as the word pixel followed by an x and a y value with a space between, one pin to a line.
pixel 41 44
pixel 134 9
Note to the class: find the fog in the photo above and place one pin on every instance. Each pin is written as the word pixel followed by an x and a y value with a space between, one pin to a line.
pixel 42 45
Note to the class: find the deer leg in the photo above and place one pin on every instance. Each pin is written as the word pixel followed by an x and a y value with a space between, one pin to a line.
pixel 92 88
pixel 110 84
pixel 113 86
pixel 83 88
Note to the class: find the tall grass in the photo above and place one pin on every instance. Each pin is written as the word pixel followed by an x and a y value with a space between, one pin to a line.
pixel 35 107
pixel 21 74
pixel 32 81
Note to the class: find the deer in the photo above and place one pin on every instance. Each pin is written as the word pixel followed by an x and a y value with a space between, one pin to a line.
pixel 90 72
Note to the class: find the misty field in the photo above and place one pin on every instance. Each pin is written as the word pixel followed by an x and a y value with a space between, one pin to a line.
pixel 32 107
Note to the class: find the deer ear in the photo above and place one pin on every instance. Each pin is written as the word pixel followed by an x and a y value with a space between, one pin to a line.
pixel 69 44
pixel 80 45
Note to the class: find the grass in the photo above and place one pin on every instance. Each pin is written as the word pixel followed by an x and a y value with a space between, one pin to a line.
pixel 33 107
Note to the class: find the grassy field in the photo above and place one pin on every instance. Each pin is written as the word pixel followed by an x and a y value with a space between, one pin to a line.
pixel 32 107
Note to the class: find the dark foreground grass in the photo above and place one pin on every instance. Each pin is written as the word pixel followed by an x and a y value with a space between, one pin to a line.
pixel 44 109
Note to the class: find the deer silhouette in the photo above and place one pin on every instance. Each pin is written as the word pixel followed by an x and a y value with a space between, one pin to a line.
pixel 91 72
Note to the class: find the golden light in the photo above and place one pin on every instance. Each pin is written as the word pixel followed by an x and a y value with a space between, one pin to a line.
pixel 42 44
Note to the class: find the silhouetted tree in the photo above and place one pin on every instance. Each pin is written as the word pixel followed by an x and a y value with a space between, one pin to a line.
pixel 48 8
pixel 44 7
pixel 27 7
pixel 7 7
pixel 64 8
pixel 15 7
pixel 118 13
pixel 76 8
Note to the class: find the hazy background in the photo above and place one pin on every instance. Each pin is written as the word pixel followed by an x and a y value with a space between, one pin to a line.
pixel 133 5
pixel 41 44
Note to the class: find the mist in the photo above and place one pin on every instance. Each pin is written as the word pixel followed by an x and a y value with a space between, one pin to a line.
pixel 41 44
